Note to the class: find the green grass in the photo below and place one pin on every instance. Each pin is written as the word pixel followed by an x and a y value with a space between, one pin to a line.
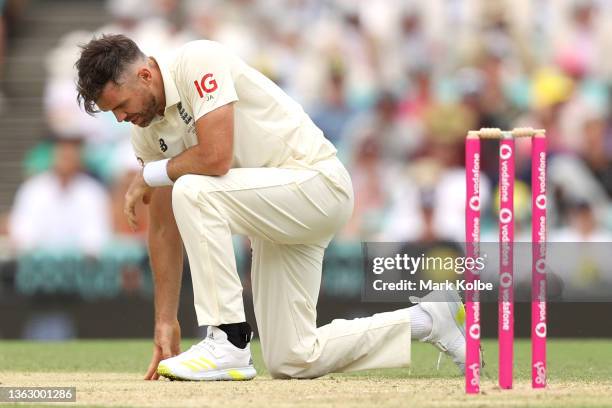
pixel 584 359
pixel 109 372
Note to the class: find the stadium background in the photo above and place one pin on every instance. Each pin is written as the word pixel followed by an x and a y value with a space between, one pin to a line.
pixel 394 84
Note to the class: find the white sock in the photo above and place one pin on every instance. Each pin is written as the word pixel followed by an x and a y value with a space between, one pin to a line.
pixel 420 322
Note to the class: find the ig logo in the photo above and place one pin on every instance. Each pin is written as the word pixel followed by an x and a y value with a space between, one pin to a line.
pixel 207 84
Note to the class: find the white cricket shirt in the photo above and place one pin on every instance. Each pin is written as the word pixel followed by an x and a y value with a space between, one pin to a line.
pixel 270 128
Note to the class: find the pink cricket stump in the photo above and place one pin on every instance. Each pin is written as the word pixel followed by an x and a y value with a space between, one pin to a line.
pixel 472 235
pixel 538 273
pixel 506 255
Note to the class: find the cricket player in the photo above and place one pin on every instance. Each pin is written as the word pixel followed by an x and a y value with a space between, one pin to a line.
pixel 225 151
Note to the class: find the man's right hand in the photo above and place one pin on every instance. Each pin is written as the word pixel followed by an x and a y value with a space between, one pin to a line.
pixel 167 343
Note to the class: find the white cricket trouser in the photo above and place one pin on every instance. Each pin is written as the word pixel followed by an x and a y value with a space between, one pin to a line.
pixel 290 215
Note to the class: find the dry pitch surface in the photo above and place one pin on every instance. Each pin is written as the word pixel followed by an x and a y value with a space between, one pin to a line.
pixel 112 389
pixel 109 374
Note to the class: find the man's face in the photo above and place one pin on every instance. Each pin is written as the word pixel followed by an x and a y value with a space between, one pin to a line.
pixel 131 101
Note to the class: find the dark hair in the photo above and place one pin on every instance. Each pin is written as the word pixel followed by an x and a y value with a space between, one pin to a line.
pixel 103 59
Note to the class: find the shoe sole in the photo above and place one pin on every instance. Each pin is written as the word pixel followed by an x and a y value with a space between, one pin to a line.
pixel 230 374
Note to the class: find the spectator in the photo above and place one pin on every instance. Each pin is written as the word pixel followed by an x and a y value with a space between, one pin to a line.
pixel 419 96
pixel 582 45
pixel 582 225
pixel 439 173
pixel 333 113
pixel 61 209
pixel 397 140
pixel 596 153
pixel 394 64
pixel 583 258
pixel 368 175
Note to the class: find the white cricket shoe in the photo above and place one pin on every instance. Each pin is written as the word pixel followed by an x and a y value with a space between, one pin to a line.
pixel 214 358
pixel 448 323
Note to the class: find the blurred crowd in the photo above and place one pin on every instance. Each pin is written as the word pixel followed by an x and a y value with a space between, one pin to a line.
pixel 394 84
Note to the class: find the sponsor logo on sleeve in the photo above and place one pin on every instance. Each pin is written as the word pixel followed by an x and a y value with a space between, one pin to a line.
pixel 206 85
pixel 185 116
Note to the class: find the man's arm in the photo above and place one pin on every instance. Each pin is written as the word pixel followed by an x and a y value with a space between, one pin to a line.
pixel 166 256
pixel 213 154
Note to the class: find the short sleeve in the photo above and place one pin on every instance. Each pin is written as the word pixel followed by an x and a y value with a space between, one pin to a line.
pixel 143 151
pixel 206 78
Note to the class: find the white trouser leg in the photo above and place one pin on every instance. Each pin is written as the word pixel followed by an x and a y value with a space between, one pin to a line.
pixel 207 238
pixel 286 281
pixel 290 216
pixel 280 205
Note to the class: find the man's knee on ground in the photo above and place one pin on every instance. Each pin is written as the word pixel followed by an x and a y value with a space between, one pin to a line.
pixel 290 365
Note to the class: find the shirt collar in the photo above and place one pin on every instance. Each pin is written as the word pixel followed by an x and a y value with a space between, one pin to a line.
pixel 172 95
